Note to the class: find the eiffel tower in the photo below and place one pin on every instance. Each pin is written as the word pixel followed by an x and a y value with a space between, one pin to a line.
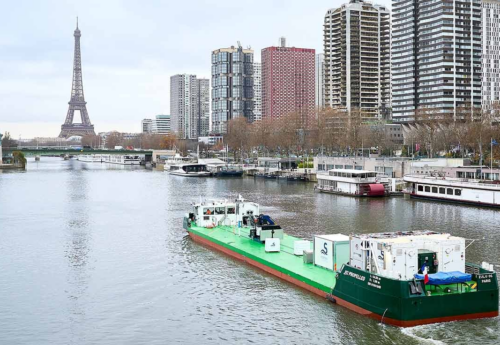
pixel 77 101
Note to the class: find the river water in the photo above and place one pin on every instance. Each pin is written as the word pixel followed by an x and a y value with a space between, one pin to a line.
pixel 96 254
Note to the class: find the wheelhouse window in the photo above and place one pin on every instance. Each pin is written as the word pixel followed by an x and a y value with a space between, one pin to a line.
pixel 208 210
pixel 219 210
pixel 434 189
pixel 420 188
pixel 230 210
pixel 442 190
pixel 427 189
pixel 449 191
pixel 458 192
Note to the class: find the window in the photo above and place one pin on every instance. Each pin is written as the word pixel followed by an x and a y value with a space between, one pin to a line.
pixel 449 191
pixel 442 190
pixel 434 189
pixel 427 189
pixel 458 192
pixel 420 188
pixel 208 210
pixel 219 210
pixel 230 210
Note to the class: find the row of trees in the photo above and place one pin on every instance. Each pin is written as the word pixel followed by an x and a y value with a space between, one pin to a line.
pixel 144 141
pixel 433 133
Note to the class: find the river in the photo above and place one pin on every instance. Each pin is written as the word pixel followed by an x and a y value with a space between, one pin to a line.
pixel 95 254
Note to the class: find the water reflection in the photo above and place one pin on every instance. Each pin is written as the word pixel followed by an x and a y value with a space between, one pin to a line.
pixel 78 246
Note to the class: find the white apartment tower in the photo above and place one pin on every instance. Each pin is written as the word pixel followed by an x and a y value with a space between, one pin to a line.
pixel 257 91
pixel 189 105
pixel 319 83
pixel 491 53
pixel 357 58
pixel 436 57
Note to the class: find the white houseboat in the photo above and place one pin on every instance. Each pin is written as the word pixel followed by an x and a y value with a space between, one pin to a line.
pixel 89 158
pixel 190 170
pixel 474 192
pixel 353 182
pixel 122 159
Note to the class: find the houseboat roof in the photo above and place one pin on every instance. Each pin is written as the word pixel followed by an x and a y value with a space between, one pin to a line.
pixel 407 236
pixel 353 171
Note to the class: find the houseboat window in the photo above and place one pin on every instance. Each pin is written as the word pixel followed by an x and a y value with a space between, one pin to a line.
pixel 219 210
pixel 458 192
pixel 434 189
pixel 348 167
pixel 339 167
pixel 420 188
pixel 449 191
pixel 344 175
pixel 442 190
pixel 230 210
pixel 208 210
pixel 427 189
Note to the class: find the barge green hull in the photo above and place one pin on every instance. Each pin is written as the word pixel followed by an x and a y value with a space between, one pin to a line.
pixel 387 300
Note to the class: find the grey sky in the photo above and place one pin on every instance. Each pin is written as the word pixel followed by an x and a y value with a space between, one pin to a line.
pixel 129 51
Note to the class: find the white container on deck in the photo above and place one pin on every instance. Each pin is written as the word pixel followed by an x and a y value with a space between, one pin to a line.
pixel 300 246
pixel 331 251
pixel 272 245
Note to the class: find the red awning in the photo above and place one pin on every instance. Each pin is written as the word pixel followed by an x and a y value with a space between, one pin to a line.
pixel 376 190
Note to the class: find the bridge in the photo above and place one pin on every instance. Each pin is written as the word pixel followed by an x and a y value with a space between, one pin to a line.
pixel 64 150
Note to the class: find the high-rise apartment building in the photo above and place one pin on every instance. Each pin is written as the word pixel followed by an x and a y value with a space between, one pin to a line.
pixel 232 86
pixel 257 91
pixel 147 126
pixel 491 52
pixel 288 82
pixel 436 57
pixel 357 58
pixel 189 105
pixel 161 124
pixel 203 103
pixel 319 84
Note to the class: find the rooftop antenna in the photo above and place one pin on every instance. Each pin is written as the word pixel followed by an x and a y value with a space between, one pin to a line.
pixel 282 41
pixel 77 22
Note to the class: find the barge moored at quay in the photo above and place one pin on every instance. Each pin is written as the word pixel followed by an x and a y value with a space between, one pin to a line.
pixel 351 182
pixel 404 279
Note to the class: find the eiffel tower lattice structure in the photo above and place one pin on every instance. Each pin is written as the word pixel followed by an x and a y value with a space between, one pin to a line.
pixel 77 101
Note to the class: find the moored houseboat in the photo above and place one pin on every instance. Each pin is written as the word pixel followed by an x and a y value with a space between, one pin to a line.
pixel 455 190
pixel 122 159
pixel 403 279
pixel 364 183
pixel 189 170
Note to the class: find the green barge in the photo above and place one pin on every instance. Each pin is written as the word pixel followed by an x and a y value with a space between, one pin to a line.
pixel 375 275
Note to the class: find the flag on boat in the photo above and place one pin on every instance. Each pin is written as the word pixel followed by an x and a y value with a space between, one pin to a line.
pixel 426 277
pixel 494 142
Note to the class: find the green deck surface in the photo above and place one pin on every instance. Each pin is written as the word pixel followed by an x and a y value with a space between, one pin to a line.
pixel 285 261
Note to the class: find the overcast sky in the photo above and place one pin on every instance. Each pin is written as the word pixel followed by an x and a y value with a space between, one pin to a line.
pixel 129 51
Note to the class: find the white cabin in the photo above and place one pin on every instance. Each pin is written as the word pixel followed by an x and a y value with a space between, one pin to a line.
pixel 213 213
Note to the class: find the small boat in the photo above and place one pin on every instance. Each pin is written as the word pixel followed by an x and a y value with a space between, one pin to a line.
pixel 225 171
pixel 362 183
pixel 190 170
pixel 266 176
pixel 405 278
pixel 453 190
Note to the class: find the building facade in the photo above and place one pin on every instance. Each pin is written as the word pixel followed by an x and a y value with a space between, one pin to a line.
pixel 203 104
pixel 491 53
pixel 232 86
pixel 257 91
pixel 288 81
pixel 189 105
pixel 357 58
pixel 147 126
pixel 436 57
pixel 161 124
pixel 319 84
